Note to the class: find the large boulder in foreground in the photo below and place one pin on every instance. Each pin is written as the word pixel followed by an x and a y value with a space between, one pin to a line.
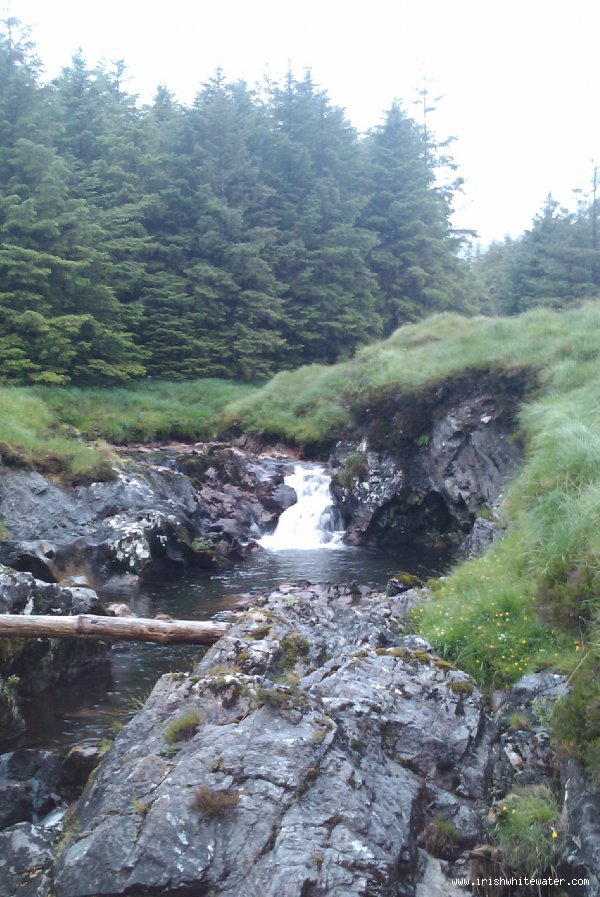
pixel 305 755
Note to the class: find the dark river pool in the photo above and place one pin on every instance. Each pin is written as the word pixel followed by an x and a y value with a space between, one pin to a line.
pixel 90 707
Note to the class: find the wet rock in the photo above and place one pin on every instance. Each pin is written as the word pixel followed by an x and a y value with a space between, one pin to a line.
pixel 29 781
pixel 242 494
pixel 402 582
pixel 26 854
pixel 151 518
pixel 430 462
pixel 33 665
pixel 11 720
pixel 77 766
pixel 316 735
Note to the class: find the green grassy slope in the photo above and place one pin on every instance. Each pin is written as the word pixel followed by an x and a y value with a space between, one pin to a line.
pixel 66 430
pixel 311 404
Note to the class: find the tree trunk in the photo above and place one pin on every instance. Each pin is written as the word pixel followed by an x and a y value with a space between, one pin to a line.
pixel 86 626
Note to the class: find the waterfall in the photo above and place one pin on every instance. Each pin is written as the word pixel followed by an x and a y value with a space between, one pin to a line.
pixel 313 521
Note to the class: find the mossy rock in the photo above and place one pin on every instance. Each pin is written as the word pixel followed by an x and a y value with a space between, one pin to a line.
pixel 461 687
pixel 402 582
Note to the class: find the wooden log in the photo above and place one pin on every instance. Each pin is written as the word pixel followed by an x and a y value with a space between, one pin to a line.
pixel 88 626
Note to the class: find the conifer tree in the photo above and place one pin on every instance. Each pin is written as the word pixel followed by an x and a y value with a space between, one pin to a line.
pixel 414 258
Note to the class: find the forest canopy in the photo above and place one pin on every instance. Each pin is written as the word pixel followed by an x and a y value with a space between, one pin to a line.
pixel 249 232
pixel 252 231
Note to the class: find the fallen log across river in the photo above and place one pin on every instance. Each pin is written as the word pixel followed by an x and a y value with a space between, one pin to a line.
pixel 88 626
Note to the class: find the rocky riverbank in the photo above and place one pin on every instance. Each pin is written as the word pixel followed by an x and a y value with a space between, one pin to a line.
pixel 316 749
pixel 427 468
pixel 194 510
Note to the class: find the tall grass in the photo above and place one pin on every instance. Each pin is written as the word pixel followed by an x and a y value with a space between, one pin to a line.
pixel 145 412
pixel 31 436
pixel 66 430
pixel 312 404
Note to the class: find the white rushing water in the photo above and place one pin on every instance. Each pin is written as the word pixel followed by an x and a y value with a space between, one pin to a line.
pixel 313 521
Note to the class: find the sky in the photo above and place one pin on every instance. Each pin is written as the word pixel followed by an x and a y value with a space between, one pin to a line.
pixel 518 78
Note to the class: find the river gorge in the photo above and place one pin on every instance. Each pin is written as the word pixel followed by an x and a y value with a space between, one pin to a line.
pixel 320 747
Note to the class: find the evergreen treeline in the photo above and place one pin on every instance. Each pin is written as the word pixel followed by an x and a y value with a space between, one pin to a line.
pixel 554 264
pixel 240 235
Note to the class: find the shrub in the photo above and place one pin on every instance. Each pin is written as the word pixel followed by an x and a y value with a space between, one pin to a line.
pixel 575 718
pixel 441 837
pixel 355 467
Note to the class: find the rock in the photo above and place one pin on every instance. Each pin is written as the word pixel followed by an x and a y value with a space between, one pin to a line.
pixel 119 609
pixel 434 879
pixel 151 518
pixel 29 781
pixel 581 858
pixel 484 533
pixel 527 758
pixel 11 720
pixel 26 854
pixel 430 462
pixel 77 767
pixel 402 582
pixel 243 494
pixel 316 731
pixel 32 665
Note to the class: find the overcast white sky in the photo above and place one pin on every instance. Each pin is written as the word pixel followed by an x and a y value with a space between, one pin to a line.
pixel 519 77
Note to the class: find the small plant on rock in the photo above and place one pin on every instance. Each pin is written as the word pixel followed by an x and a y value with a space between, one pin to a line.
pixel 528 831
pixel 208 802
pixel 441 837
pixel 519 721
pixel 354 468
pixel 183 727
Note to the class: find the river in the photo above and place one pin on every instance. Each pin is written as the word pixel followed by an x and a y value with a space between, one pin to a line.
pixel 305 546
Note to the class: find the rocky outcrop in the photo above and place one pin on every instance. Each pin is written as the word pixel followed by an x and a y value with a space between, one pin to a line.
pixel 26 856
pixel 306 754
pixel 241 494
pixel 167 513
pixel 35 788
pixel 429 462
pixel 529 760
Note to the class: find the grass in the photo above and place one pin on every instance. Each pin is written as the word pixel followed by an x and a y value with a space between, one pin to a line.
pixel 66 430
pixel 209 802
pixel 183 727
pixel 528 832
pixel 145 412
pixel 32 437
pixel 314 404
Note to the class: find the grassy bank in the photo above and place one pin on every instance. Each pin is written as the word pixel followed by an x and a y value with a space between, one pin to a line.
pixel 145 412
pixel 66 430
pixel 313 404
pixel 31 436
